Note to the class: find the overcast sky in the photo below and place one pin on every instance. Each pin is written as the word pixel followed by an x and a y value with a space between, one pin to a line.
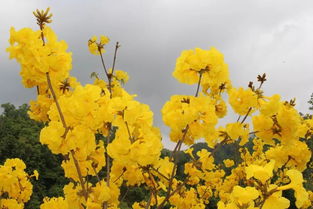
pixel 272 37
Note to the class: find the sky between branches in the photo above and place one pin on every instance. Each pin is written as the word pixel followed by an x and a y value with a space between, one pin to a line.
pixel 260 36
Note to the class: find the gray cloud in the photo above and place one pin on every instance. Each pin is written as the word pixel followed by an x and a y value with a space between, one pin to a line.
pixel 275 37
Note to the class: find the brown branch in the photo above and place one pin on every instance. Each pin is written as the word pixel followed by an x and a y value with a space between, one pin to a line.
pixel 115 53
pixel 154 191
pixel 267 195
pixel 108 164
pixel 128 131
pixel 175 151
pixel 94 169
pixel 124 170
pixel 205 191
pixel 82 183
pixel 38 91
pixel 176 190
pixel 158 172
pixel 243 120
pixel 56 101
pixel 125 194
pixel 102 61
pixel 149 201
pixel 168 195
pixel 198 86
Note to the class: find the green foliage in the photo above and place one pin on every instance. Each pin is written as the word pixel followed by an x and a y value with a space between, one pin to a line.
pixel 129 195
pixel 19 138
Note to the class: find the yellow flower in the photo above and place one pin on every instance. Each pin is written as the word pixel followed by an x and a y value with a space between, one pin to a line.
pixel 196 112
pixel 242 100
pixel 262 173
pixel 52 136
pixel 209 63
pixel 236 131
pixel 296 184
pixel 37 59
pixel 244 195
pixel 228 163
pixel 96 47
pixel 14 183
pixel 271 107
pixel 121 76
pixel 262 126
pixel 276 199
pixel 36 174
pixel 220 108
pixel 104 39
pixel 11 204
pixel 54 203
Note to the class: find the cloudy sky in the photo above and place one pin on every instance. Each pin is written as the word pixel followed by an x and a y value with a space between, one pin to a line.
pixel 272 37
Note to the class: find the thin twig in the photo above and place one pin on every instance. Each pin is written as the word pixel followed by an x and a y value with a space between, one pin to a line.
pixel 38 91
pixel 176 150
pixel 102 61
pixel 176 190
pixel 158 172
pixel 114 59
pixel 108 164
pixel 154 191
pixel 94 169
pixel 125 194
pixel 124 170
pixel 149 201
pixel 128 131
pixel 168 195
pixel 243 120
pixel 82 183
pixel 198 86
pixel 56 100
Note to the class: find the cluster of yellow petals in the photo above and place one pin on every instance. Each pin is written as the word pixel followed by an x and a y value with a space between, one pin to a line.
pixel 242 100
pixel 37 59
pixel 96 47
pixel 198 113
pixel 209 63
pixel 15 186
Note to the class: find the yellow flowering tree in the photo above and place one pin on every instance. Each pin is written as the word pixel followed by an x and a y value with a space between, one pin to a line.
pixel 108 140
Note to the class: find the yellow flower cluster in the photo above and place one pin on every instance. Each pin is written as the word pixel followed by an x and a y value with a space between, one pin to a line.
pixel 96 47
pixel 15 186
pixel 209 64
pixel 242 100
pixel 37 57
pixel 191 116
